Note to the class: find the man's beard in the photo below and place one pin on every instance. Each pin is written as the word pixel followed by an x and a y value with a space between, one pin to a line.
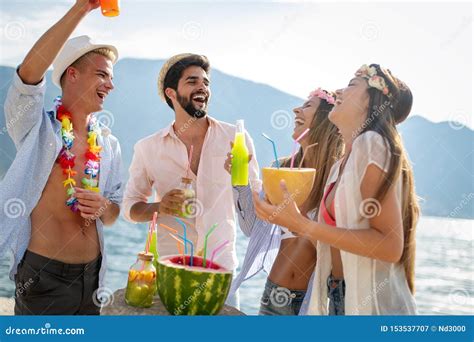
pixel 189 107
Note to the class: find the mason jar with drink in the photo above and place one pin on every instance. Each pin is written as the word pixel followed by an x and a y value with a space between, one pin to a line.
pixel 141 286
pixel 188 209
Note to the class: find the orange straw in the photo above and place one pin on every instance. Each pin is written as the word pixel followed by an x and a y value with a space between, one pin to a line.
pixel 179 243
pixel 180 248
pixel 174 237
pixel 169 228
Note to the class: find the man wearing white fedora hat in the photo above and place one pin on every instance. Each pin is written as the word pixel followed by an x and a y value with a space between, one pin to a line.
pixel 66 176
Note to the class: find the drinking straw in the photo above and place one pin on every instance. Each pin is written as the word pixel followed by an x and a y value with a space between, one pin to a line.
pixel 174 237
pixel 190 159
pixel 274 149
pixel 180 251
pixel 205 243
pixel 151 229
pixel 179 246
pixel 184 232
pixel 217 249
pixel 188 223
pixel 294 146
pixel 304 153
pixel 186 241
pixel 147 245
pixel 169 228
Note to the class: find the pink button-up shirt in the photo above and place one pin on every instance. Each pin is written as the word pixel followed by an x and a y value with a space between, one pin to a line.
pixel 159 163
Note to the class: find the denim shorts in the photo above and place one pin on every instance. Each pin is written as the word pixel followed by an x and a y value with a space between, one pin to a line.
pixel 336 294
pixel 280 301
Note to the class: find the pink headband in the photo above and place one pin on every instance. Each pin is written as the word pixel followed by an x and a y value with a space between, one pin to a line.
pixel 323 95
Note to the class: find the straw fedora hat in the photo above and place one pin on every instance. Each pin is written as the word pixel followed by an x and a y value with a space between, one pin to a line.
pixel 74 49
pixel 164 71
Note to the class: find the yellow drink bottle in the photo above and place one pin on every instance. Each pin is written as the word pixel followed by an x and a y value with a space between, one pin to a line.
pixel 240 160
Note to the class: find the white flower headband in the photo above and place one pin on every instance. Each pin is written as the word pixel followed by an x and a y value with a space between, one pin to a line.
pixel 374 80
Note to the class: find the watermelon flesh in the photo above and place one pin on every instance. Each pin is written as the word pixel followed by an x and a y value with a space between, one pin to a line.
pixel 186 290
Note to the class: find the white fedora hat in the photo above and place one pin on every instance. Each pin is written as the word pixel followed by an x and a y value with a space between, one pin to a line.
pixel 74 49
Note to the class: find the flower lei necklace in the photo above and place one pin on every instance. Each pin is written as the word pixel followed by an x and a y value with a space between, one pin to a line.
pixel 66 157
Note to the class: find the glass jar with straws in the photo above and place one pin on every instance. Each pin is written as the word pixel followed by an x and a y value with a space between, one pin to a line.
pixel 141 286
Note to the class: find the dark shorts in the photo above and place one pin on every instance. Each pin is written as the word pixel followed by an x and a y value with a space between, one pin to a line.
pixel 45 286
pixel 280 301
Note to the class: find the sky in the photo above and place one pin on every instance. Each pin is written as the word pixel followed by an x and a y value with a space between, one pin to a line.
pixel 294 46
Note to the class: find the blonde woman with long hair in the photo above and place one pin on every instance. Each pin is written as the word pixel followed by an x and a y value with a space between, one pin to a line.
pixel 289 260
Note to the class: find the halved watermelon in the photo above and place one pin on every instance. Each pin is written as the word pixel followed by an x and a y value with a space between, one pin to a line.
pixel 186 290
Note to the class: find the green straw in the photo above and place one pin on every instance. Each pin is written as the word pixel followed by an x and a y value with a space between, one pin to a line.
pixel 205 243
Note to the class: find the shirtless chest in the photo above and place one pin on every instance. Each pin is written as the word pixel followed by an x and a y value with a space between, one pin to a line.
pixel 56 231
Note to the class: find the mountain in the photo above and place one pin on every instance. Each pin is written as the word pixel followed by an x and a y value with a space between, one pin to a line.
pixel 443 164
pixel 441 153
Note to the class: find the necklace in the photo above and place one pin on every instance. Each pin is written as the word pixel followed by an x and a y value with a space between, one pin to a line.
pixel 66 157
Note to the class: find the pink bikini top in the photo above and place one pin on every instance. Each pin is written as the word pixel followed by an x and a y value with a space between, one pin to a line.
pixel 324 211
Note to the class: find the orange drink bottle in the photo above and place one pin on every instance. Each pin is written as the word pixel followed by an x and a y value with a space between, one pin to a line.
pixel 110 8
